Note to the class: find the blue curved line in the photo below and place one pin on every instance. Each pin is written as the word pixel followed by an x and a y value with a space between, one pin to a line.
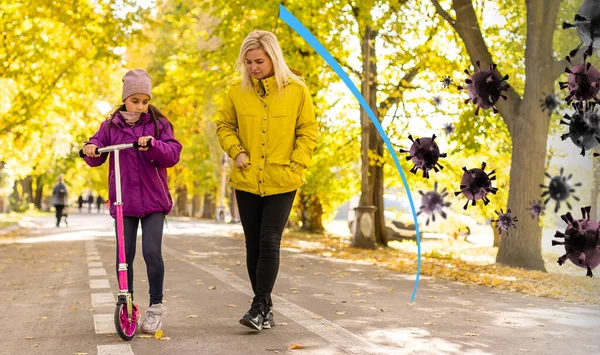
pixel 297 26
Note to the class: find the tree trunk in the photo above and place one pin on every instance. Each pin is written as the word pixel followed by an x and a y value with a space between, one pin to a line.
pixel 596 186
pixel 27 184
pixel 311 212
pixel 196 208
pixel 182 201
pixel 39 192
pixel 233 207
pixel 497 236
pixel 376 146
pixel 365 237
pixel 529 138
pixel 210 208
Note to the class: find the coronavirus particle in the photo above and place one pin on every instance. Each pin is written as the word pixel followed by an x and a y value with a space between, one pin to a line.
pixel 588 27
pixel 433 202
pixel 485 88
pixel 583 82
pixel 449 129
pixel 536 208
pixel 559 189
pixel 446 82
pixel 581 240
pixel 476 184
pixel 550 103
pixel 584 127
pixel 424 154
pixel 505 221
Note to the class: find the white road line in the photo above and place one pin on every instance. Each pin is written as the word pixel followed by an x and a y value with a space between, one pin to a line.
pixel 99 283
pixel 329 331
pixel 97 271
pixel 93 258
pixel 119 349
pixel 95 264
pixel 104 324
pixel 103 299
pixel 93 253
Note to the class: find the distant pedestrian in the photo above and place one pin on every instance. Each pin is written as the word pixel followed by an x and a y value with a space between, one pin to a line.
pixel 59 199
pixel 90 202
pixel 99 202
pixel 80 203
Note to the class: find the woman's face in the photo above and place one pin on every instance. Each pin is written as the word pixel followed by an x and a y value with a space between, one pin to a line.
pixel 259 64
pixel 137 103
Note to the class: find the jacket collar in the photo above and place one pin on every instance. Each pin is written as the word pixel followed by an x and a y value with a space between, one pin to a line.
pixel 120 121
pixel 269 84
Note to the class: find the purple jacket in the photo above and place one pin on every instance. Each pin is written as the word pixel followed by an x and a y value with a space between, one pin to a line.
pixel 144 183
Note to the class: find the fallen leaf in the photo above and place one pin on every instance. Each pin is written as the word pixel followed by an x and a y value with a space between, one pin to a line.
pixel 294 289
pixel 383 310
pixel 158 334
pixel 28 338
pixel 192 316
pixel 429 323
pixel 317 317
pixel 73 308
pixel 165 338
pixel 297 346
pixel 200 283
pixel 470 320
pixel 212 288
pixel 231 305
pixel 81 302
pixel 282 323
pixel 471 334
pixel 92 309
pixel 46 295
pixel 42 318
pixel 541 325
pixel 318 294
pixel 340 313
pixel 145 336
pixel 36 345
pixel 411 304
pixel 67 282
pixel 432 297
pixel 81 353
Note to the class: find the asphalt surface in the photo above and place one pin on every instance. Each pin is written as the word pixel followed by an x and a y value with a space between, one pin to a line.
pixel 57 301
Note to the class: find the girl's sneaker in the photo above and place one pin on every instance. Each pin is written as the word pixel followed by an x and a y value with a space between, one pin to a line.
pixel 154 318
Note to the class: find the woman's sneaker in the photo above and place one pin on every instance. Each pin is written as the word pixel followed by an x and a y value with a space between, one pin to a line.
pixel 255 317
pixel 154 318
pixel 269 321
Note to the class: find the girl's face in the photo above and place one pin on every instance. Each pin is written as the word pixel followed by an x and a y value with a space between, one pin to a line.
pixel 258 64
pixel 137 103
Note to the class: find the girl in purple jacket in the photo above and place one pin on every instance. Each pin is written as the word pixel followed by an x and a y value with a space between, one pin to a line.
pixel 146 196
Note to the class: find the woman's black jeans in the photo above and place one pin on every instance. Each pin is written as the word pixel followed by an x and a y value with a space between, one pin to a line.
pixel 263 220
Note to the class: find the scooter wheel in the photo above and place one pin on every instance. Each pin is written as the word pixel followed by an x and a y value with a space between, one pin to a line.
pixel 126 327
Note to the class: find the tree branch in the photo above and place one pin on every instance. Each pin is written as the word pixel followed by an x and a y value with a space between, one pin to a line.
pixel 391 100
pixel 443 13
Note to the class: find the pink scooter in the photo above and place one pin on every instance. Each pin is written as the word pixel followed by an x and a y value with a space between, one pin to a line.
pixel 126 312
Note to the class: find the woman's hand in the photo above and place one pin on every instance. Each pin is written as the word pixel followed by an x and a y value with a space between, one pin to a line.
pixel 143 141
pixel 90 150
pixel 240 160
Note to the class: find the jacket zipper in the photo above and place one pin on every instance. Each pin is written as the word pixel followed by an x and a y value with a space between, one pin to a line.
pixel 161 185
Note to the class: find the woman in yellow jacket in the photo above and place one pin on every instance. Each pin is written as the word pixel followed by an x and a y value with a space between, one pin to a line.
pixel 267 125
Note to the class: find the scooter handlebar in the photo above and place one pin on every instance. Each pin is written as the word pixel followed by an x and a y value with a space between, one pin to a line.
pixel 135 145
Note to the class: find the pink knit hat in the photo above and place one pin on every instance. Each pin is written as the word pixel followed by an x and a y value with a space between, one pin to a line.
pixel 137 81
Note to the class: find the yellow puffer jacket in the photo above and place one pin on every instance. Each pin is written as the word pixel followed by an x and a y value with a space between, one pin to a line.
pixel 277 132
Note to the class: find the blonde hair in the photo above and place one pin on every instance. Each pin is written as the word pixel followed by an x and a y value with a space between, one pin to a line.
pixel 266 41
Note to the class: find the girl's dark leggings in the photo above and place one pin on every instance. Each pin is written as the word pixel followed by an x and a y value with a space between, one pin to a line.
pixel 152 231
pixel 263 220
